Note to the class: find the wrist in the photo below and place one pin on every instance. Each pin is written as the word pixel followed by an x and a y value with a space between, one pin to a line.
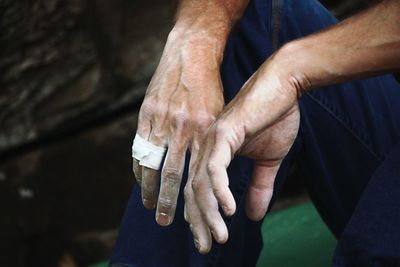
pixel 208 21
pixel 211 16
pixel 295 66
pixel 192 40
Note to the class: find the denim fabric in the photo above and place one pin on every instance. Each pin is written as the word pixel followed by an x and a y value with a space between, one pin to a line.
pixel 372 236
pixel 346 133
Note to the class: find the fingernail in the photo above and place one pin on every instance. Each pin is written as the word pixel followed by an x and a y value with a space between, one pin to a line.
pixel 163 219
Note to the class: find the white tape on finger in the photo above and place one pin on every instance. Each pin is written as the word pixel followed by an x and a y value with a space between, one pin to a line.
pixel 147 154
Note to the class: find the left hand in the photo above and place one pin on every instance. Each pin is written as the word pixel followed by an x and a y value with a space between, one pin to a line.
pixel 260 123
pixel 183 98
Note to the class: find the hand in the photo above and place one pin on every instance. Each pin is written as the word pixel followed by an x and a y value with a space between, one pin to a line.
pixel 182 100
pixel 260 123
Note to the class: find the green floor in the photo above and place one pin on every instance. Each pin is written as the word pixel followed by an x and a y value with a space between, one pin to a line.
pixel 294 237
pixel 100 264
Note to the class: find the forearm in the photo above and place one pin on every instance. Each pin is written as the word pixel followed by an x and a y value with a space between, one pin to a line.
pixel 207 19
pixel 364 45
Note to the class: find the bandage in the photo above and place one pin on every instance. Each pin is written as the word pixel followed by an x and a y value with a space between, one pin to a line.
pixel 147 154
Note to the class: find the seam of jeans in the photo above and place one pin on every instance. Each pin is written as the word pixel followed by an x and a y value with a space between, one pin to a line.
pixel 275 24
pixel 346 126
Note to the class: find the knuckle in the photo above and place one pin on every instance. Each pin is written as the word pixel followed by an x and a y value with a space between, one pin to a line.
pixel 221 128
pixel 195 186
pixel 146 109
pixel 159 110
pixel 180 118
pixel 183 118
pixel 211 168
pixel 158 136
pixel 204 120
pixel 170 174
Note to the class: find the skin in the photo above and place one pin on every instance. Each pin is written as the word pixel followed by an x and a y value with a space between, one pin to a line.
pixel 184 96
pixel 263 119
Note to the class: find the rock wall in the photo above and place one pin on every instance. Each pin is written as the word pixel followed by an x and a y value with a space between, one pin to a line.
pixel 72 76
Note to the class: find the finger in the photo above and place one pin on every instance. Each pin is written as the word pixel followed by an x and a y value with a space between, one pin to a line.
pixel 150 177
pixel 150 184
pixel 143 130
pixel 137 171
pixel 200 231
pixel 208 206
pixel 171 177
pixel 260 190
pixel 219 160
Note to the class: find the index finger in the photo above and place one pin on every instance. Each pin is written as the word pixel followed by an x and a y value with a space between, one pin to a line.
pixel 219 158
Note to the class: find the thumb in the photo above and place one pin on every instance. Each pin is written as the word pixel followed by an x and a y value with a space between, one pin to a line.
pixel 260 189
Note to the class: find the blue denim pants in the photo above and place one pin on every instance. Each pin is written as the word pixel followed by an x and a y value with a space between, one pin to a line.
pixel 347 149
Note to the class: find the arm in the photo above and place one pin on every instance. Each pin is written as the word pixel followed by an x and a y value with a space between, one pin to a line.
pixel 364 45
pixel 214 18
pixel 184 96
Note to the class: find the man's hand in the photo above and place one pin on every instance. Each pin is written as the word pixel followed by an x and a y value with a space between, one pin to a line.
pixel 182 100
pixel 260 123
pixel 184 96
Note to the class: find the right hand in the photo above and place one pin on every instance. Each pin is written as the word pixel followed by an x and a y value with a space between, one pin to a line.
pixel 261 123
pixel 183 98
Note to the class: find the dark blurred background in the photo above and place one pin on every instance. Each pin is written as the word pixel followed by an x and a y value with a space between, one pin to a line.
pixel 72 76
